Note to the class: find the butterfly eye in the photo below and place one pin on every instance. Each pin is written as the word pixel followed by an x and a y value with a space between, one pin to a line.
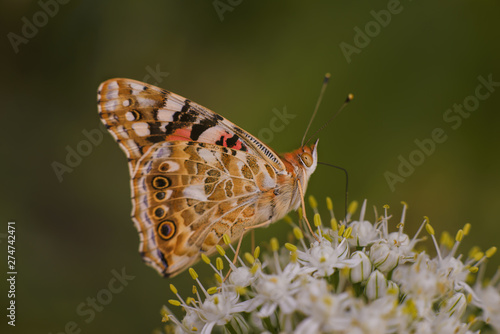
pixel 166 230
pixel 307 159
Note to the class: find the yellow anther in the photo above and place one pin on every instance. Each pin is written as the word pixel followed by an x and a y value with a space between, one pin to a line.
pixel 313 202
pixel 190 300
pixel 478 256
pixel 353 206
pixel 317 220
pixel 459 236
pixel 194 290
pixel 221 250
pixel 256 252
pixel 226 239
pixel 212 290
pixel 334 224
pixel 194 329
pixel 291 247
pixel 254 269
pixel 172 287
pixel 473 269
pixel 445 239
pixel 165 318
pixel 193 273
pixel 299 211
pixel 473 251
pixel 490 252
pixel 219 264
pixel 322 259
pixel 174 302
pixel 216 300
pixel 426 219
pixel 386 206
pixel 249 258
pixel 467 228
pixel 405 204
pixel 298 233
pixel 429 229
pixel 274 244
pixel 288 219
pixel 341 230
pixel 348 232
pixel 205 258
pixel 329 203
pixel 218 278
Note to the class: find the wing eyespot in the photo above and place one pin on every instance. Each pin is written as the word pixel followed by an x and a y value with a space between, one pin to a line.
pixel 160 212
pixel 160 182
pixel 166 229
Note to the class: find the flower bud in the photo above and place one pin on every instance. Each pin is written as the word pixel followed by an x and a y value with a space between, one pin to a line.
pixel 362 271
pixel 383 258
pixel 376 286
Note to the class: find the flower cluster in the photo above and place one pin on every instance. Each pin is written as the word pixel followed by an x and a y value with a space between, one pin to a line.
pixel 352 276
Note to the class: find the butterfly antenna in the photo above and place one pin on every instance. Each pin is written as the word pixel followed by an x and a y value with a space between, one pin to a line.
pixel 346 184
pixel 347 100
pixel 323 88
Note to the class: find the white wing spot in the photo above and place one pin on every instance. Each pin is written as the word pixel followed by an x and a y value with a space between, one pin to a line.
pixel 136 87
pixel 125 103
pixel 173 166
pixel 129 116
pixel 113 85
pixel 111 105
pixel 141 129
pixel 162 152
pixel 165 115
pixel 172 105
pixel 111 94
pixel 196 191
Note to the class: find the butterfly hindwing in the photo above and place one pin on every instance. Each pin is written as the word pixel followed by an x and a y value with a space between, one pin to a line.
pixel 186 195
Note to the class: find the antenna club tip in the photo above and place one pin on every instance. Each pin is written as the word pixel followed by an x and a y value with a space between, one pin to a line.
pixel 349 98
pixel 327 77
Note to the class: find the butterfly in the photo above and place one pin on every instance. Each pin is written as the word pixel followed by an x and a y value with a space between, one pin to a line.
pixel 194 175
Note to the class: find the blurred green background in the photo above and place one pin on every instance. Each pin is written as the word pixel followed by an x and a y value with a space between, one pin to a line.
pixel 244 61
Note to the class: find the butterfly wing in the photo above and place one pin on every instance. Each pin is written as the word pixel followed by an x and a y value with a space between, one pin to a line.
pixel 139 115
pixel 186 195
pixel 194 174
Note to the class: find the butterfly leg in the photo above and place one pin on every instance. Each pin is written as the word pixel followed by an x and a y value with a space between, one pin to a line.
pixel 304 210
pixel 252 228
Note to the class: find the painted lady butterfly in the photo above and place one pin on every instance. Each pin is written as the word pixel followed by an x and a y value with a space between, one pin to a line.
pixel 196 176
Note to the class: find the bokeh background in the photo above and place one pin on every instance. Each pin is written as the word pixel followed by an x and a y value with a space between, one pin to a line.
pixel 243 60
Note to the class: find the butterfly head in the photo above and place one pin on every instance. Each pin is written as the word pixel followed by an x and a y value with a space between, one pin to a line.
pixel 304 160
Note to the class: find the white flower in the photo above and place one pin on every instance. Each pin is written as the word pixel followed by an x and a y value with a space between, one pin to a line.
pixel 323 258
pixel 276 290
pixel 325 311
pixel 315 286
